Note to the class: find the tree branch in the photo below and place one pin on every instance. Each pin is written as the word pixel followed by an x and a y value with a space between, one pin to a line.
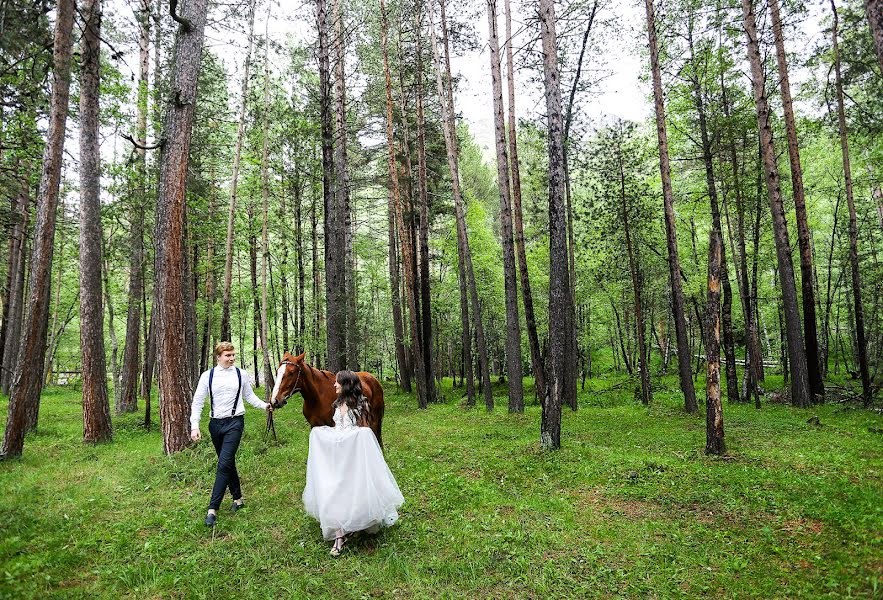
pixel 141 146
pixel 185 22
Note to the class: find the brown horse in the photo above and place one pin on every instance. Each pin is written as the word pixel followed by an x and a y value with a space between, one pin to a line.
pixel 317 388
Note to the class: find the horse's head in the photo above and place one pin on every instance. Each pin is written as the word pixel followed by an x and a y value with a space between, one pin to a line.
pixel 289 379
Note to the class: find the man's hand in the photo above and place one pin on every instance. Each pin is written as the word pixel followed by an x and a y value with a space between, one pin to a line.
pixel 269 408
pixel 195 435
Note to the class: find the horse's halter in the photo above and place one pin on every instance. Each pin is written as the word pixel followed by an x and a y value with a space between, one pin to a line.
pixel 300 371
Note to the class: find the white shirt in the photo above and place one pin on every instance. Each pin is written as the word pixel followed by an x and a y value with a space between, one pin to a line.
pixel 224 384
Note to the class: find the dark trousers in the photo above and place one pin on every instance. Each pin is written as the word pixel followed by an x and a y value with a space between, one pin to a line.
pixel 226 434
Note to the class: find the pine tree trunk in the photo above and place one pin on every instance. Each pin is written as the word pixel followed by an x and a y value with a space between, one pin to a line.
pixel 674 267
pixel 810 331
pixel 226 334
pixel 423 227
pixel 858 312
pixel 446 100
pixel 132 352
pixel 800 389
pixel 559 278
pixel 28 376
pixel 256 293
pixel 172 372
pixel 301 276
pixel 265 246
pixel 317 281
pixel 527 296
pixel 513 328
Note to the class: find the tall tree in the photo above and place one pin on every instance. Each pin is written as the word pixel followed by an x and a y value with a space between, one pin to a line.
pixel 810 331
pixel 559 280
pixel 423 225
pixel 513 324
pixel 265 192
pixel 530 321
pixel 467 272
pixel 404 242
pixel 96 408
pixel 336 219
pixel 861 341
pixel 128 398
pixel 28 378
pixel 800 390
pixel 637 278
pixel 674 266
pixel 237 156
pixel 172 368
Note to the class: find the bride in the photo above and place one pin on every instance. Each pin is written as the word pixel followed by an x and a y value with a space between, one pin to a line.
pixel 349 486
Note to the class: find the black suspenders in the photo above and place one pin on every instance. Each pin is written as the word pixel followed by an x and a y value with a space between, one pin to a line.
pixel 211 396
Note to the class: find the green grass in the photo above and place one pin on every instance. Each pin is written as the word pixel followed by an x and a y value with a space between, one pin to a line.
pixel 629 507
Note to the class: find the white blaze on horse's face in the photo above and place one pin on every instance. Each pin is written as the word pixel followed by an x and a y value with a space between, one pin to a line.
pixel 280 373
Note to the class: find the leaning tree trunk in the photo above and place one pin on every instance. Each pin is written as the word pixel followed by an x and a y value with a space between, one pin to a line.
pixel 226 334
pixel 874 11
pixel 800 389
pixel 861 342
pixel 559 279
pixel 96 407
pixel 810 330
pixel 132 352
pixel 674 267
pixel 513 323
pixel 172 369
pixel 28 377
pixel 446 100
pixel 407 257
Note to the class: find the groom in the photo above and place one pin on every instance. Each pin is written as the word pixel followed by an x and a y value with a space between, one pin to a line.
pixel 225 385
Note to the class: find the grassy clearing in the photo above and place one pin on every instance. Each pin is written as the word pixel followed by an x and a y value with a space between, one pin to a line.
pixel 629 507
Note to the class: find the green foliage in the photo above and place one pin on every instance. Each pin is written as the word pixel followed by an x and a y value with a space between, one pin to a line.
pixel 630 506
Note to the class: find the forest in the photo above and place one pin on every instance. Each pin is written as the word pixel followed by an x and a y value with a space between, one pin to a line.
pixel 552 287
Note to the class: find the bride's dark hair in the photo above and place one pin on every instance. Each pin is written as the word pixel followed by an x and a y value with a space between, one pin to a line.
pixel 351 395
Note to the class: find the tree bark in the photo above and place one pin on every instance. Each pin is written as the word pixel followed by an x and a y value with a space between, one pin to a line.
pixel 172 370
pixel 237 155
pixel 810 331
pixel 559 278
pixel 513 323
pixel 874 11
pixel 674 267
pixel 861 342
pixel 800 389
pixel 96 408
pixel 28 377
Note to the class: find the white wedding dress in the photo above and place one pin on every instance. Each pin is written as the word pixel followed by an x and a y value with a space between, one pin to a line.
pixel 349 486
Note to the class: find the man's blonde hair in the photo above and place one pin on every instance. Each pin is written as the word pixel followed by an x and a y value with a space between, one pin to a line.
pixel 223 347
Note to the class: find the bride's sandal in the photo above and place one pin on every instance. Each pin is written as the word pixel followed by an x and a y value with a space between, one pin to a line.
pixel 338 546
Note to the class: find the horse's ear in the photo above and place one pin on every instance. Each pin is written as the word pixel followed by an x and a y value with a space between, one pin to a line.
pixel 301 356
